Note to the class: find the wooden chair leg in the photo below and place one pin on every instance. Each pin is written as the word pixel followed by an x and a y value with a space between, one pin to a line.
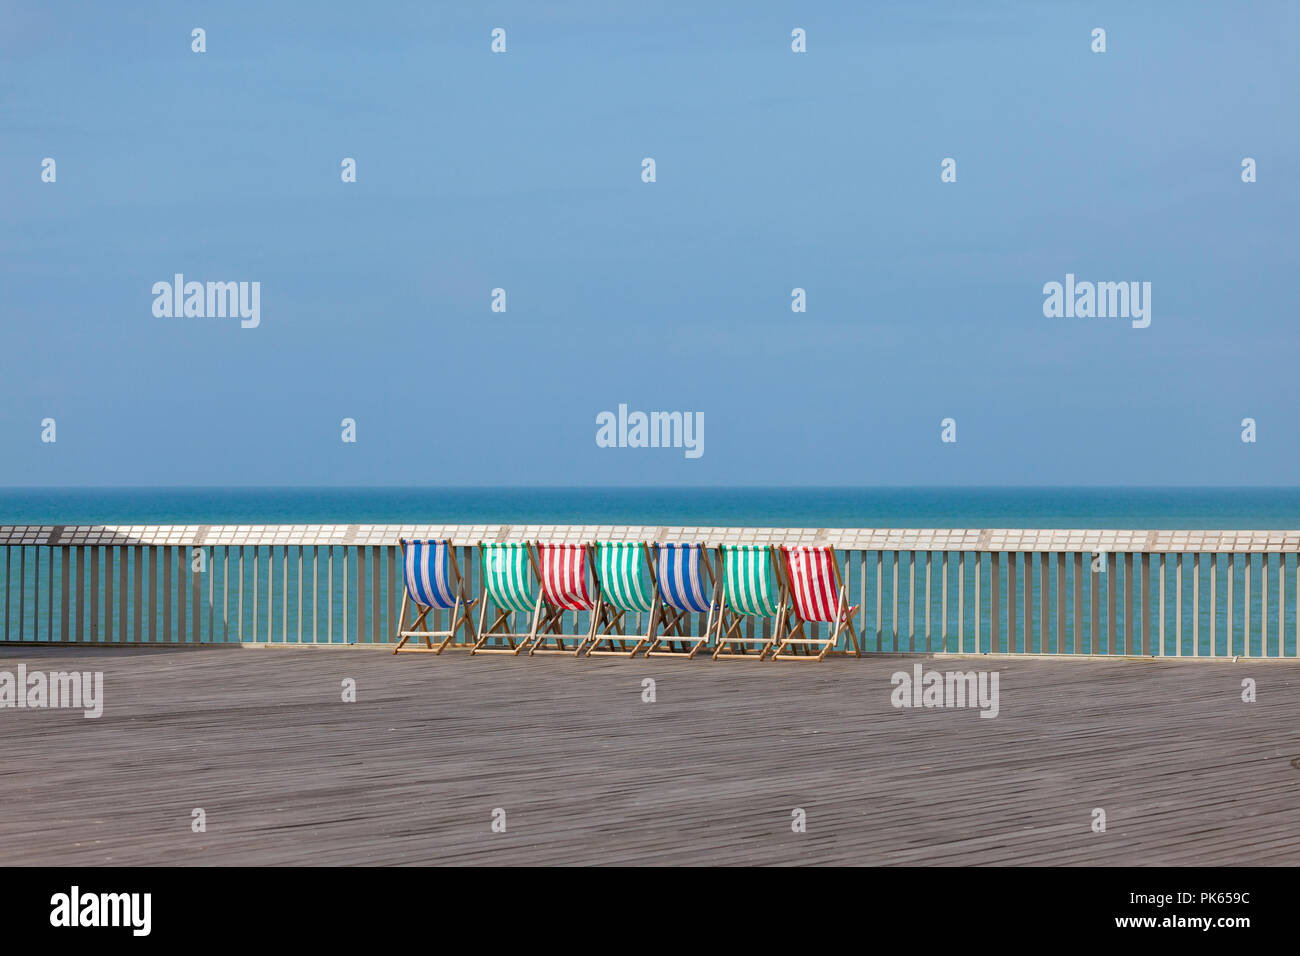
pixel 415 626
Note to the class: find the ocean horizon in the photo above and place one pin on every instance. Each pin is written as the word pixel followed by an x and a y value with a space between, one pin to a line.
pixel 832 507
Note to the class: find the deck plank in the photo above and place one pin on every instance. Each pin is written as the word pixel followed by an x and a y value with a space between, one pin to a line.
pixel 588 774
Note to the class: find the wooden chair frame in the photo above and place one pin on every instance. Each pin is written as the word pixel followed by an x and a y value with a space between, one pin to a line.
pixel 794 636
pixel 517 641
pixel 676 623
pixel 461 613
pixel 730 622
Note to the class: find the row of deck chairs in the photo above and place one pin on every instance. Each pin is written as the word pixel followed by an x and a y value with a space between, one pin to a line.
pixel 638 597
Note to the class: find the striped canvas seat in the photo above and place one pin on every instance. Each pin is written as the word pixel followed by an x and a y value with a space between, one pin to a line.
pixel 817 595
pixel 508 579
pixel 565 571
pixel 626 588
pixel 564 575
pixel 812 582
pixel 753 587
pixel 681 574
pixel 622 575
pixel 428 573
pixel 431 579
pixel 684 586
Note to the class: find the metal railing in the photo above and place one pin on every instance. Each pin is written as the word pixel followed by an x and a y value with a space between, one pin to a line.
pixel 1071 593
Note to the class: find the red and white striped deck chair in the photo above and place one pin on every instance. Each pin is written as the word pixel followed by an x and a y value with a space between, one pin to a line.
pixel 818 595
pixel 432 582
pixel 566 574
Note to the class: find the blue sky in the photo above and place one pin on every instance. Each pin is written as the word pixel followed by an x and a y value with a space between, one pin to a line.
pixel 775 170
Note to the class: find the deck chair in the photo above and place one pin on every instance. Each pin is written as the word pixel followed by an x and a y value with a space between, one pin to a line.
pixel 685 585
pixel 817 594
pixel 625 576
pixel 433 583
pixel 753 587
pixel 565 570
pixel 509 575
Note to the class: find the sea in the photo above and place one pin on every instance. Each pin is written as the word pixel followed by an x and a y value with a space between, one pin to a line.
pixel 803 507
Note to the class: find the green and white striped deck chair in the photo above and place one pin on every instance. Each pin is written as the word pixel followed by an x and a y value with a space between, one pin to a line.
pixel 625 578
pixel 509 579
pixel 753 588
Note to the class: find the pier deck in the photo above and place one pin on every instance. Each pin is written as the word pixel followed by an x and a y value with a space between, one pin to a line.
pixel 589 774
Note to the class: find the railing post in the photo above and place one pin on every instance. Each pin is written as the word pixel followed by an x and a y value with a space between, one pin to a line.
pixel 894 610
pixel 961 602
pixel 1263 604
pixel 1060 602
pixel 65 558
pixel 1227 619
pixel 929 647
pixel 284 591
pixel 995 573
pixel 1281 605
pixel 1029 603
pixel 110 556
pixel 1076 644
pixel 862 592
pixel 880 600
pixel 1178 603
pixel 1012 647
pixel 299 594
pixel 361 594
pixel 1196 604
pixel 1146 604
pixel 392 594
pixel 182 578
pixel 911 600
pixel 1112 589
pixel 1245 604
pixel 22 590
pixel 1130 640
pixel 1213 604
pixel 1094 604
pixel 94 594
pixel 943 588
pixel 315 604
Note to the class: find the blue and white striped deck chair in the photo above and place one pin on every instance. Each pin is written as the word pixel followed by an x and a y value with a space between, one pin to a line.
pixel 509 580
pixel 685 584
pixel 625 584
pixel 433 583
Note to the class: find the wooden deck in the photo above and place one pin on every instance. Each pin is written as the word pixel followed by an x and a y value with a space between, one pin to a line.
pixel 589 774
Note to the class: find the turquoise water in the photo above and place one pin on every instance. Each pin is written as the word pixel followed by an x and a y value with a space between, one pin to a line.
pixel 770 507
pixel 329 576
